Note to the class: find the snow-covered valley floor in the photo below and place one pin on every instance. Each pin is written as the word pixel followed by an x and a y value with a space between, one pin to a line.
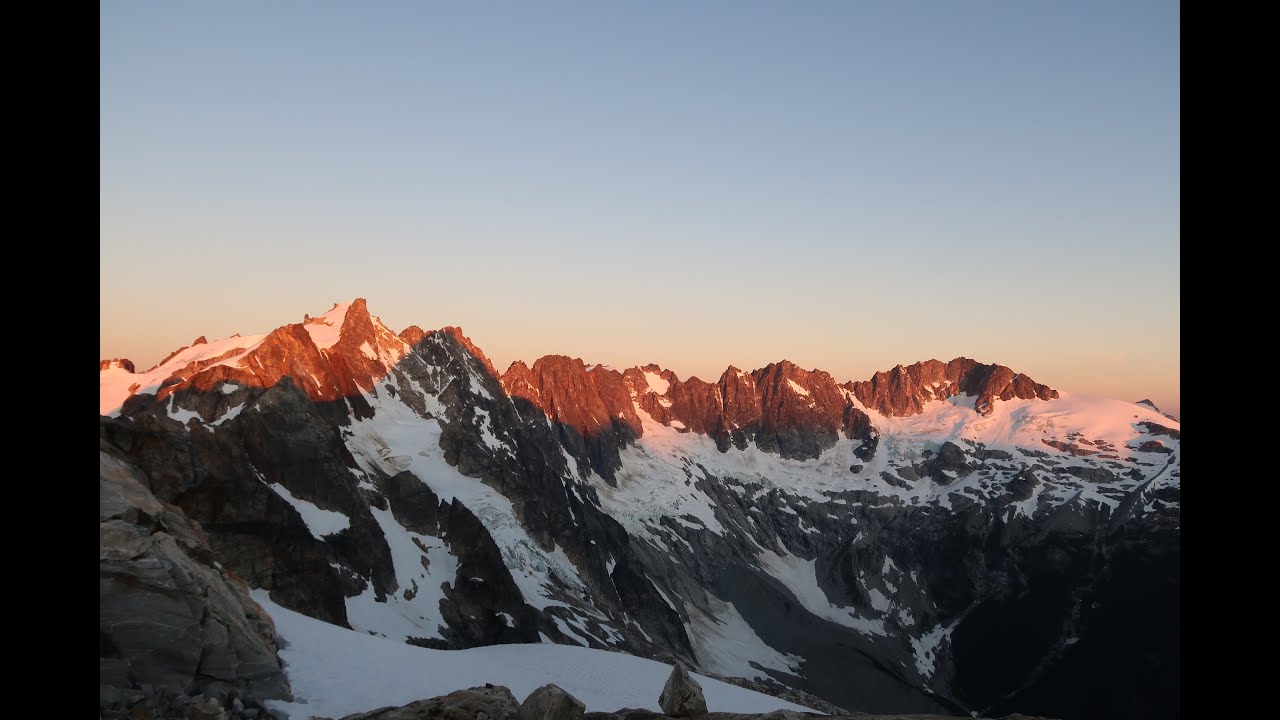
pixel 337 672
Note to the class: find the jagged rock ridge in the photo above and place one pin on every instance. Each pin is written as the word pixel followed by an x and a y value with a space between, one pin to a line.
pixel 774 525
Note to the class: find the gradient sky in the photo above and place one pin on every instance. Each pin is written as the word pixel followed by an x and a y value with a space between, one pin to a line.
pixel 848 185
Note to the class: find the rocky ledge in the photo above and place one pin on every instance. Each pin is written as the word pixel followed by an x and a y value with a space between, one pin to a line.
pixel 179 636
pixel 681 699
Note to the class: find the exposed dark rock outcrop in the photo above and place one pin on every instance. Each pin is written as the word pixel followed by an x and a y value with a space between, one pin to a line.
pixel 170 616
pixel 213 474
pixel 475 609
pixel 682 695
pixel 1151 405
pixel 550 702
pixel 162 703
pixel 556 510
pixel 122 363
pixel 1153 446
pixel 1023 484
pixel 1158 429
pixel 493 702
pixel 949 463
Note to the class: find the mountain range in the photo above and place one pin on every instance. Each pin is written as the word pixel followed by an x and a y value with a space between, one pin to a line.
pixel 944 537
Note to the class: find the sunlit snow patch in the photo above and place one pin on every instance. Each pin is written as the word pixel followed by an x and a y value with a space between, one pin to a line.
pixel 656 383
pixel 326 329
pixel 116 384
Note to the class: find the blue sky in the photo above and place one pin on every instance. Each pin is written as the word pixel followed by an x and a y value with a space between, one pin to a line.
pixel 850 185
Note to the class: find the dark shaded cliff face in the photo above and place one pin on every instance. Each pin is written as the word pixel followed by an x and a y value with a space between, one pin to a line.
pixel 945 537
pixel 171 617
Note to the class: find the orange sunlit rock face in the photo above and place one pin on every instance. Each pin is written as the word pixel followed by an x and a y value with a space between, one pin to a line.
pixel 519 382
pixel 905 390
pixel 779 398
pixel 412 335
pixel 345 353
pixel 364 352
pixel 567 393
pixel 122 363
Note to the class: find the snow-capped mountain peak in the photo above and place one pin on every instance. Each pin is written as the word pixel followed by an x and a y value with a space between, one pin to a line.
pixel 774 524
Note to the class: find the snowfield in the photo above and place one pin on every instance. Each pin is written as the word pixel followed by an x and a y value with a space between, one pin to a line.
pixel 336 672
pixel 115 385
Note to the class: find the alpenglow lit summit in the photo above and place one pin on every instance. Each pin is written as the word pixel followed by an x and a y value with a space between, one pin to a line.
pixel 337 516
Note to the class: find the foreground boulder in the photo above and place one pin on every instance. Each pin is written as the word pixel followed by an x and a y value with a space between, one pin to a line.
pixel 489 702
pixel 163 704
pixel 550 702
pixel 682 695
pixel 170 618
